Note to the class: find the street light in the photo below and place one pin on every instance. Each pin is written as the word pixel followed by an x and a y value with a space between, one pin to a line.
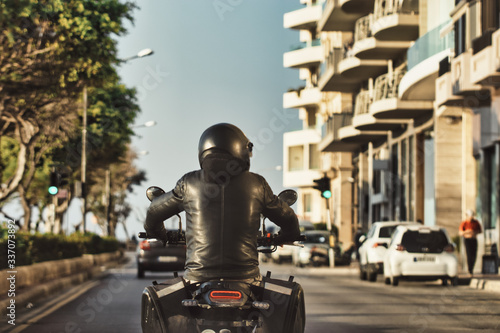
pixel 140 54
pixel 146 124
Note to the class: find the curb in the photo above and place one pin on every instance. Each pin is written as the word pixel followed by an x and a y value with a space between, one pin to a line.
pixel 485 284
pixel 45 279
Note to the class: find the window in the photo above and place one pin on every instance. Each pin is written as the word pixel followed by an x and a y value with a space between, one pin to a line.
pixel 296 158
pixel 460 36
pixel 307 203
pixel 424 241
pixel 314 154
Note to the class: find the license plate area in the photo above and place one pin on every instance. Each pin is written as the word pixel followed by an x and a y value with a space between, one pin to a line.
pixel 424 259
pixel 167 259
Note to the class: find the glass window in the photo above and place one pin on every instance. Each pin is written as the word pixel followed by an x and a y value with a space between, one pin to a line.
pixel 424 241
pixel 386 232
pixel 296 158
pixel 460 36
pixel 307 202
pixel 314 157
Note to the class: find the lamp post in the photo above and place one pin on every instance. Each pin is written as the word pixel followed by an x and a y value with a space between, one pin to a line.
pixel 140 54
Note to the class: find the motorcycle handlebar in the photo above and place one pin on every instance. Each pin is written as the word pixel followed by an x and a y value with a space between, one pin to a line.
pixel 269 240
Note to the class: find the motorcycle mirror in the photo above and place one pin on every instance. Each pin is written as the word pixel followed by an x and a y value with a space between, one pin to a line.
pixel 154 192
pixel 288 196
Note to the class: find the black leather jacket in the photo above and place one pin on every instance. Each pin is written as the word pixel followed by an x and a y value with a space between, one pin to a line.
pixel 223 219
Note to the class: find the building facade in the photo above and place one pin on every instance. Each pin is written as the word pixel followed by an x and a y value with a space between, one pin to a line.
pixel 400 103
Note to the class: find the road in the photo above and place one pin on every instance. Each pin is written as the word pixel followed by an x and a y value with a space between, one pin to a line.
pixel 336 301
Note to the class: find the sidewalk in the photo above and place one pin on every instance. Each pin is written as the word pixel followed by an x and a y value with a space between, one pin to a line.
pixel 489 282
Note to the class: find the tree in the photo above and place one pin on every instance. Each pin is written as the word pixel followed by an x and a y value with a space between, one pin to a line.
pixel 47 54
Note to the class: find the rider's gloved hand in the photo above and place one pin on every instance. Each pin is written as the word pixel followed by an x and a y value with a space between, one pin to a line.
pixel 160 234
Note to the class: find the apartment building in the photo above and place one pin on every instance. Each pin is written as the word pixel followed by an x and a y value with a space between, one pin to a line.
pixel 404 117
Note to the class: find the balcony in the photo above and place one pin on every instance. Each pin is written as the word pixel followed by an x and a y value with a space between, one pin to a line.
pixel 387 105
pixel 341 15
pixel 357 138
pixel 395 20
pixel 330 134
pixel 485 61
pixel 368 47
pixel 331 78
pixel 444 87
pixel 304 55
pixel 301 166
pixel 359 70
pixel 423 65
pixel 303 19
pixel 308 97
pixel 460 75
pixel 364 121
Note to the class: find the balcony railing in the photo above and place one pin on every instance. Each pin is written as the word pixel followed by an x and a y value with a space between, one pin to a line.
pixel 335 122
pixel 428 45
pixel 386 85
pixel 303 45
pixel 362 105
pixel 363 28
pixel 389 7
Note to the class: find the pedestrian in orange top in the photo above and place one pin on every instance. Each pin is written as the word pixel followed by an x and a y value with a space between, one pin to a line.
pixel 469 228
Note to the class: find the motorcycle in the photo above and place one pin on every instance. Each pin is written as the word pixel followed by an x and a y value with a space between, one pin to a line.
pixel 222 305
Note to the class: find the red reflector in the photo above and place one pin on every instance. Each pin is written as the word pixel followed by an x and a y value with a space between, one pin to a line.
pixel 225 294
pixel 144 245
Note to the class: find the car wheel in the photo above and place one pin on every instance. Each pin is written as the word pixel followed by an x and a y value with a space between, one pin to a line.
pixel 444 282
pixel 140 271
pixel 394 281
pixel 387 281
pixel 454 281
pixel 362 273
pixel 372 276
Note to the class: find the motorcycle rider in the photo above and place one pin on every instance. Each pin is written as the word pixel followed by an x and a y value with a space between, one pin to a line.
pixel 223 202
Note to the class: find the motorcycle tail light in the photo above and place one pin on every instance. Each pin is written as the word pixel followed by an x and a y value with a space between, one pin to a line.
pixel 221 295
pixel 144 245
pixel 400 247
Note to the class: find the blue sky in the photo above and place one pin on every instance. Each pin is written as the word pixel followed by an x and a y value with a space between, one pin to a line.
pixel 214 61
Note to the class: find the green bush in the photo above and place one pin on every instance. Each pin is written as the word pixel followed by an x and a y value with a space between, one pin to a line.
pixel 34 248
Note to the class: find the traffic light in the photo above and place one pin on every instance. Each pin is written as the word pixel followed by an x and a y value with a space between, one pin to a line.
pixel 323 185
pixel 54 183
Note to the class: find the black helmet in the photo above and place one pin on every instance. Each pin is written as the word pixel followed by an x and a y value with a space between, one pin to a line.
pixel 225 138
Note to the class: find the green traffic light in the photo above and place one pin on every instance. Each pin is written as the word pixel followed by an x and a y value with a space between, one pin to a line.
pixel 327 194
pixel 53 190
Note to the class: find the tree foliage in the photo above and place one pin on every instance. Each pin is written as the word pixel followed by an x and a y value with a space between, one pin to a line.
pixel 49 51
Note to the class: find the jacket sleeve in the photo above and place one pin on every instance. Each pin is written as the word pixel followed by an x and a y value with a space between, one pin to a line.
pixel 162 208
pixel 281 214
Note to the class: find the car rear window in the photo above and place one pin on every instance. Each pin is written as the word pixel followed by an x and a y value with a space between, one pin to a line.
pixel 316 239
pixel 386 232
pixel 426 241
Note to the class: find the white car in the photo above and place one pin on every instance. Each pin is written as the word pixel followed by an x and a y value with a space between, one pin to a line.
pixel 373 248
pixel 420 253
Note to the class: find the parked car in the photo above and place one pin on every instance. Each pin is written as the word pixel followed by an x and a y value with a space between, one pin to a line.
pixel 373 248
pixel 153 256
pixel 315 250
pixel 420 253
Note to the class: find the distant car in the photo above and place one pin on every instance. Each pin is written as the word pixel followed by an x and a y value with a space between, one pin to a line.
pixel 420 253
pixel 153 256
pixel 373 248
pixel 282 253
pixel 315 250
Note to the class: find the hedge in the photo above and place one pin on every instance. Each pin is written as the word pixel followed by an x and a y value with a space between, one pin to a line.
pixel 34 248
